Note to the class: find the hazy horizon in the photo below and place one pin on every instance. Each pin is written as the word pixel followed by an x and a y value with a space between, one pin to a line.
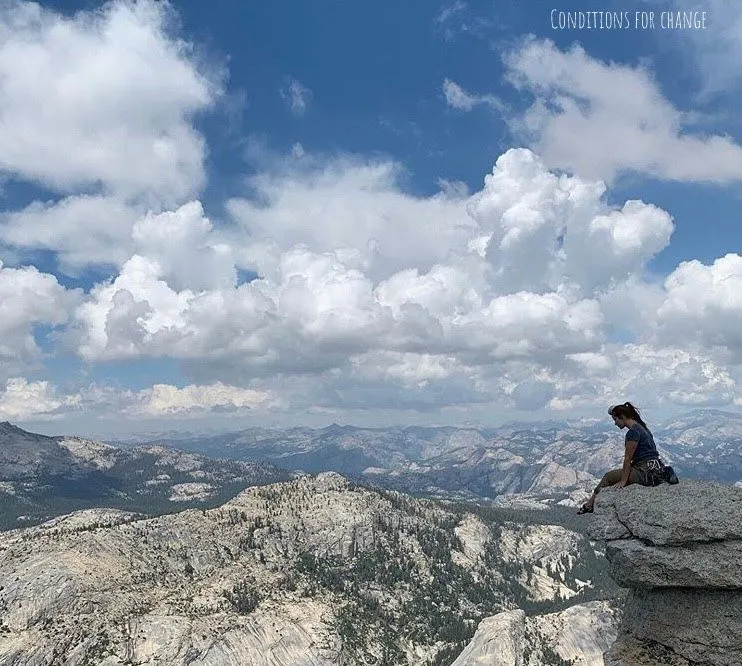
pixel 199 427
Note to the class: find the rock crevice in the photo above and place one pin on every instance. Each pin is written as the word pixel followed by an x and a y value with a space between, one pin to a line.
pixel 678 550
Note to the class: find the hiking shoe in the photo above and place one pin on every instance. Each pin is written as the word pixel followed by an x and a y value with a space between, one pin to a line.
pixel 668 475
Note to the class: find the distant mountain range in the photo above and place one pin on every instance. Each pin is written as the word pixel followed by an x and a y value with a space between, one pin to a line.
pixel 42 476
pixel 518 464
pixel 542 460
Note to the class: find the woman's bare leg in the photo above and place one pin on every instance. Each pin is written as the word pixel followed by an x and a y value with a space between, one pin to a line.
pixel 609 479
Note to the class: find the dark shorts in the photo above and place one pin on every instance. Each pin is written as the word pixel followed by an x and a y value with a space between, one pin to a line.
pixel 638 474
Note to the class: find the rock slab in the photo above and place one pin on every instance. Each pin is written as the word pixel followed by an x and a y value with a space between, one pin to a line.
pixel 679 551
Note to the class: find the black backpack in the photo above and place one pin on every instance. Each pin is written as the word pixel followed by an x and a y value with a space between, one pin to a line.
pixel 669 476
pixel 656 473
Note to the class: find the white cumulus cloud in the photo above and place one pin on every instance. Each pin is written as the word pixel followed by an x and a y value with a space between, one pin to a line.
pixel 166 400
pixel 81 230
pixel 24 400
pixel 366 295
pixel 119 94
pixel 602 119
pixel 445 322
pixel 703 304
pixel 28 298
pixel 21 400
pixel 350 205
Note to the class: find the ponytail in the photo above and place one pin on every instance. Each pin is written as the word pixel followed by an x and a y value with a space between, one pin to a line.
pixel 628 411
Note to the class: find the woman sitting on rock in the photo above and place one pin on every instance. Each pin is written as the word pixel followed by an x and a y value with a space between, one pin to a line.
pixel 641 463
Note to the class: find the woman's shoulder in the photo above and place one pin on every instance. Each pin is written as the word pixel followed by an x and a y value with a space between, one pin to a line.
pixel 635 431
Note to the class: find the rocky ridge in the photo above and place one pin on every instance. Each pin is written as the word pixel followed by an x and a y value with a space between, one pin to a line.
pixel 313 571
pixel 42 477
pixel 578 635
pixel 678 549
pixel 532 463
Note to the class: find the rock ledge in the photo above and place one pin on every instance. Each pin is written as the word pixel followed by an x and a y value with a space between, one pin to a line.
pixel 679 551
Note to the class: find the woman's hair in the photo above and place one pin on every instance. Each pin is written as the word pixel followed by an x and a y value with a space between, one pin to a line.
pixel 627 411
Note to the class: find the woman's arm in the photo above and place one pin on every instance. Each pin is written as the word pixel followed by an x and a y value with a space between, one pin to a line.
pixel 627 458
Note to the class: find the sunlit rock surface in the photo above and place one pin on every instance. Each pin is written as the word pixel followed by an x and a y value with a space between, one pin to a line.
pixel 679 551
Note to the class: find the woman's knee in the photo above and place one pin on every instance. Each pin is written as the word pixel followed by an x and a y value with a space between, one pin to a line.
pixel 603 483
pixel 610 478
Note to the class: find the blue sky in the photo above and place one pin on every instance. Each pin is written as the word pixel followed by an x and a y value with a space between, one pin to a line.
pixel 319 128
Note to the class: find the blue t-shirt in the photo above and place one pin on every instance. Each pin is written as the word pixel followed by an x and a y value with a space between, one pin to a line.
pixel 645 449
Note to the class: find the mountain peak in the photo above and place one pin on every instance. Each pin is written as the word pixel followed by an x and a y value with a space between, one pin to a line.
pixel 335 428
pixel 8 427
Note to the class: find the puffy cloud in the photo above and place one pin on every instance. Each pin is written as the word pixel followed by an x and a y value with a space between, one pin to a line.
pixel 623 121
pixel 165 400
pixel 547 230
pixel 22 400
pixel 703 304
pixel 443 291
pixel 354 306
pixel 119 94
pixel 655 377
pixel 409 368
pixel 347 205
pixel 537 270
pixel 120 317
pixel 525 218
pixel 614 246
pixel 327 302
pixel 28 299
pixel 81 230
pixel 630 307
pixel 539 326
pixel 392 382
pixel 651 376
pixel 187 252
pixel 315 305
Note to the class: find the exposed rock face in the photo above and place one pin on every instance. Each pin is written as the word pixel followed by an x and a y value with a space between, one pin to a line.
pixel 497 642
pixel 315 571
pixel 679 551
pixel 581 634
pixel 543 547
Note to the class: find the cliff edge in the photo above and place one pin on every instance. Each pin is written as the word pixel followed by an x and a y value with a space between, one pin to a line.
pixel 678 549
